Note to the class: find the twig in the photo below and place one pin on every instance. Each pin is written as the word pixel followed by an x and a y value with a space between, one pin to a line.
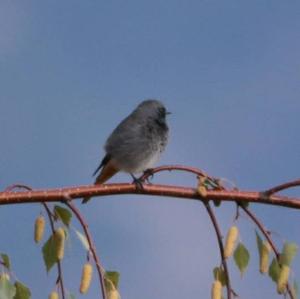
pixel 60 276
pixel 219 237
pixel 295 183
pixel 264 231
pixel 91 244
pixel 59 269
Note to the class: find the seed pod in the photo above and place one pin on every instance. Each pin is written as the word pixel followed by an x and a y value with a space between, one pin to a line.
pixel 230 241
pixel 283 279
pixel 113 294
pixel 86 278
pixel 59 239
pixel 53 295
pixel 264 257
pixel 216 290
pixel 39 228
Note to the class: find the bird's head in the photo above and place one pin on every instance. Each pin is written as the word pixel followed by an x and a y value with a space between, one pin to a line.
pixel 153 109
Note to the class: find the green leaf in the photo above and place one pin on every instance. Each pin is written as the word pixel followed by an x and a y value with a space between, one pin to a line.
pixel 63 214
pixel 49 253
pixel 22 292
pixel 111 280
pixel 288 253
pixel 5 260
pixel 7 289
pixel 241 257
pixel 70 296
pixel 219 274
pixel 83 240
pixel 274 270
pixel 216 202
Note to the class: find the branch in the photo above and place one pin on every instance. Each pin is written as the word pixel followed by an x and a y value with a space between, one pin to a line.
pixel 219 237
pixel 54 195
pixel 295 183
pixel 91 244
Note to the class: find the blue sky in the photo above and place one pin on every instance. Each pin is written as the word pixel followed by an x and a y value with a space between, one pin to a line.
pixel 229 72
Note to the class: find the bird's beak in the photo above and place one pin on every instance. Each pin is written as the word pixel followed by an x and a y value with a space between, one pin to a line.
pixel 168 112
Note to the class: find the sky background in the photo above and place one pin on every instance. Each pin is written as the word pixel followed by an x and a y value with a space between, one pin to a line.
pixel 71 70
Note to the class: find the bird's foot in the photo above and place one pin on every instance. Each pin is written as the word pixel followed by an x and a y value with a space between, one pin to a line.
pixel 147 176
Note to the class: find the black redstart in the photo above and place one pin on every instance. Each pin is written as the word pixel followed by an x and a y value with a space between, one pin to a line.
pixel 136 143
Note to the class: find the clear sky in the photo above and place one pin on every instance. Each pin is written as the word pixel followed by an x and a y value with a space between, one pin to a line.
pixel 71 70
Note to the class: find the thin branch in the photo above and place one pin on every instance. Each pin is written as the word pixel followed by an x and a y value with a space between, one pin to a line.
pixel 295 183
pixel 17 186
pixel 219 237
pixel 59 269
pixel 194 170
pixel 265 232
pixel 91 244
pixel 60 276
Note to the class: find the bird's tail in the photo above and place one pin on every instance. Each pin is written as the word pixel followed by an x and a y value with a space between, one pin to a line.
pixel 109 169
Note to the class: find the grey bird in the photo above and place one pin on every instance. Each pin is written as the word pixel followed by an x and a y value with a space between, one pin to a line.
pixel 136 143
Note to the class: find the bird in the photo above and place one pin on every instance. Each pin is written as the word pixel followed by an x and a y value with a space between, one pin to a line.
pixel 136 144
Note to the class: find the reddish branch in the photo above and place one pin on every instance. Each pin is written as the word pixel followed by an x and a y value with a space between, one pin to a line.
pixel 91 245
pixel 54 195
pixel 281 187
pixel 219 237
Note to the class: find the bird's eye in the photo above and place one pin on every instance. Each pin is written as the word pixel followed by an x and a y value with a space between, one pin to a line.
pixel 162 111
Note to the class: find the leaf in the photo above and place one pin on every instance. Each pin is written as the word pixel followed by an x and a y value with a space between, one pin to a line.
pixel 83 240
pixel 50 253
pixel 217 203
pixel 241 257
pixel 63 214
pixel 111 280
pixel 22 292
pixel 5 260
pixel 274 270
pixel 219 274
pixel 7 289
pixel 70 296
pixel 288 253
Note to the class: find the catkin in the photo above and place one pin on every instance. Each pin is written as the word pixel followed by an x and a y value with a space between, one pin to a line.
pixel 4 276
pixel 39 228
pixel 59 237
pixel 264 257
pixel 230 241
pixel 283 279
pixel 86 278
pixel 216 290
pixel 53 295
pixel 113 294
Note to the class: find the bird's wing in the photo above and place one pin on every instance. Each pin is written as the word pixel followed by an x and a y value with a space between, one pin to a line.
pixel 102 164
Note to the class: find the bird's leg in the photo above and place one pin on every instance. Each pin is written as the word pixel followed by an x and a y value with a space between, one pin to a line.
pixel 138 182
pixel 148 174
